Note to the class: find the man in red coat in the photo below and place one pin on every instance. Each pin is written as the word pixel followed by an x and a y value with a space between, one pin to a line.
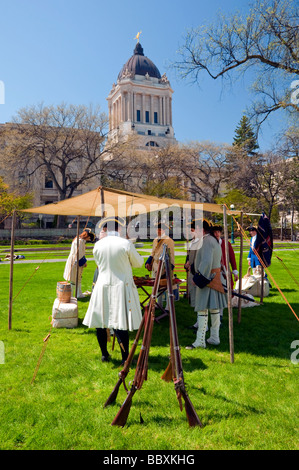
pixel 217 229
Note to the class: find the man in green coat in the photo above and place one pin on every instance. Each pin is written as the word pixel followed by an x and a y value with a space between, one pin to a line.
pixel 207 263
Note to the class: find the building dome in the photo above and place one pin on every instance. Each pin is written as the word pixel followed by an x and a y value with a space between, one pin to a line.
pixel 139 64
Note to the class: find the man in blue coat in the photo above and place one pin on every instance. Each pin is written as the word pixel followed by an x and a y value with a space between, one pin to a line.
pixel 252 258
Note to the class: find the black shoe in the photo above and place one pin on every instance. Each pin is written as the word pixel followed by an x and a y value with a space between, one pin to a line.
pixel 192 328
pixel 106 358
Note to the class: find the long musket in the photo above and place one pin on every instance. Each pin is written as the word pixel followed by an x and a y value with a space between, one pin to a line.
pixel 217 285
pixel 176 360
pixel 142 363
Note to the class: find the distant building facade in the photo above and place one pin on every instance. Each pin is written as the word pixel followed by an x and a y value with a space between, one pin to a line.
pixel 140 104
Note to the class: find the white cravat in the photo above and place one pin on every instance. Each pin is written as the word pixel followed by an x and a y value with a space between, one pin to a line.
pixel 113 233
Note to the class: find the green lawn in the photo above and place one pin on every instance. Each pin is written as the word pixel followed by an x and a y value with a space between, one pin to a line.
pixel 250 404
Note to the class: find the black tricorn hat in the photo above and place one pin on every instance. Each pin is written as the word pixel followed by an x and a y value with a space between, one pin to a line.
pixel 112 222
pixel 162 225
pixel 194 222
pixel 201 223
pixel 251 228
pixel 217 227
pixel 90 233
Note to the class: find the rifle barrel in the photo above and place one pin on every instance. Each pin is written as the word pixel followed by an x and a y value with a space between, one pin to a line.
pixel 192 416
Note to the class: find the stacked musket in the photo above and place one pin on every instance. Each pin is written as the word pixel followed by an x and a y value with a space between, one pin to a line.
pixel 174 370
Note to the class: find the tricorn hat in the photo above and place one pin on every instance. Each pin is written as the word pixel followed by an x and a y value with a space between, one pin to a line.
pixel 217 227
pixel 90 233
pixel 162 225
pixel 111 222
pixel 201 223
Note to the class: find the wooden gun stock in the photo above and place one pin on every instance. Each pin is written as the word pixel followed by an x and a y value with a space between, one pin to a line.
pixel 123 413
pixel 167 375
pixel 191 414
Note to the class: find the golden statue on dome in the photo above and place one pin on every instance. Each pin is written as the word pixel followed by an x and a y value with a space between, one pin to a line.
pixel 137 36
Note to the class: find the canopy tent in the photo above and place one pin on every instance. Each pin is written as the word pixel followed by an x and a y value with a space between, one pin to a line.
pixel 117 202
pixel 111 202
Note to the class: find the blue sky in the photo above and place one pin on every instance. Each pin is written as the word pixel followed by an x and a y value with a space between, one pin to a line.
pixel 72 51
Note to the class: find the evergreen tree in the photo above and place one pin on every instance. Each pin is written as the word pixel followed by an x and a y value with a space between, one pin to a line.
pixel 245 137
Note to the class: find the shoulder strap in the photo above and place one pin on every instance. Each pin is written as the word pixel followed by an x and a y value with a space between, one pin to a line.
pixel 158 244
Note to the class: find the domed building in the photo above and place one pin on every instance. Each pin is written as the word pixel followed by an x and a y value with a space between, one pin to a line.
pixel 140 103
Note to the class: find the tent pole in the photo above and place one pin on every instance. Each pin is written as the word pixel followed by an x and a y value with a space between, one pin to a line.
pixel 240 269
pixel 262 284
pixel 12 243
pixel 229 289
pixel 77 264
pixel 102 203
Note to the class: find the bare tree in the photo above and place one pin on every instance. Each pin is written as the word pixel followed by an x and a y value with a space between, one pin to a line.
pixel 265 42
pixel 66 142
pixel 264 177
pixel 203 166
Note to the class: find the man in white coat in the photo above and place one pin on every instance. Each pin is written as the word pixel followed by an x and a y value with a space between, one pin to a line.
pixel 114 303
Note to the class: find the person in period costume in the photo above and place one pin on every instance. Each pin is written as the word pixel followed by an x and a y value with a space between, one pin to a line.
pixel 70 270
pixel 232 270
pixel 101 229
pixel 114 303
pixel 152 262
pixel 193 245
pixel 207 265
pixel 252 258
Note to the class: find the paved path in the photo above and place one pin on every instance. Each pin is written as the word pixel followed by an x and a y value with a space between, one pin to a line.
pixel 147 250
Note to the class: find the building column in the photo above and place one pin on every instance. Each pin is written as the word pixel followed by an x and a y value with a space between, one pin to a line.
pixel 167 111
pixel 129 114
pixel 110 117
pixel 151 109
pixel 142 109
pixel 133 107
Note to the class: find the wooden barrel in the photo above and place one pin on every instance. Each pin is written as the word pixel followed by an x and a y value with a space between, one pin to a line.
pixel 64 291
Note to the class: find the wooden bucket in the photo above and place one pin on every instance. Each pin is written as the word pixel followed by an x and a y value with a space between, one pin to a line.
pixel 64 291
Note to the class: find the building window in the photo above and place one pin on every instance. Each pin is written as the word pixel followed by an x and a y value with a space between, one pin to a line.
pixel 146 116
pixel 149 132
pixel 138 115
pixel 155 118
pixel 151 143
pixel 48 182
pixel 22 177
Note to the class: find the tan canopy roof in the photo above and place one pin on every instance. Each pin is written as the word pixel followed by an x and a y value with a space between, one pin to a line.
pixel 120 203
